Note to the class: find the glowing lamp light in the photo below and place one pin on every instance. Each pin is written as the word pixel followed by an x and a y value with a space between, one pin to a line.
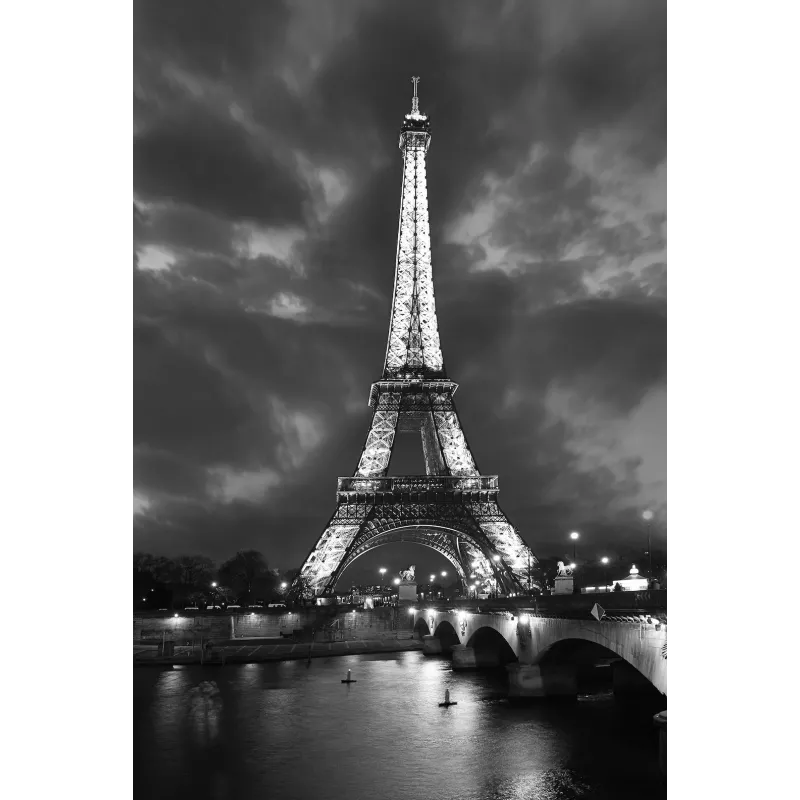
pixel 634 571
pixel 283 585
pixel 524 619
pixel 430 612
pixel 647 515
pixel 213 584
pixel 473 575
pixel 433 578
pixel 604 559
pixel 176 615
pixel 444 574
pixel 412 610
pixel 572 566
pixel 397 581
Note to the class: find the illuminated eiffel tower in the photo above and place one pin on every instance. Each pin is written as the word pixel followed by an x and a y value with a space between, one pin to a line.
pixel 452 508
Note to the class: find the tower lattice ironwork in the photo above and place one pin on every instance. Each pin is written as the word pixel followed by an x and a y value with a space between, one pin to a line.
pixel 452 508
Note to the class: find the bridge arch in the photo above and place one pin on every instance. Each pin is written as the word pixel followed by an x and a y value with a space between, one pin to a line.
pixel 421 628
pixel 447 635
pixel 586 653
pixel 491 648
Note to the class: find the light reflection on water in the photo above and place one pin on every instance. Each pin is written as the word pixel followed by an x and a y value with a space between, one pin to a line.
pixel 294 732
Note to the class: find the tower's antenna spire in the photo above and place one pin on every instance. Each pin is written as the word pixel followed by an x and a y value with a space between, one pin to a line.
pixel 415 99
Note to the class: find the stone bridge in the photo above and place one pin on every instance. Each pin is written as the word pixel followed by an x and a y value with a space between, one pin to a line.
pixel 544 645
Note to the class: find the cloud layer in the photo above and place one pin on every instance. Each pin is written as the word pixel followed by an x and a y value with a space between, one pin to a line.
pixel 266 194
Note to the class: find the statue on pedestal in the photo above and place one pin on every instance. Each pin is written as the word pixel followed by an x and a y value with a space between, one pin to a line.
pixel 563 570
pixel 408 575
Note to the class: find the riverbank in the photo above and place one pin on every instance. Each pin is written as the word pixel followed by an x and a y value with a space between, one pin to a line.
pixel 241 651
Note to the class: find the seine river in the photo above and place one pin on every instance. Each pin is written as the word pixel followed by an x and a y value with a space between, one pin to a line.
pixel 295 732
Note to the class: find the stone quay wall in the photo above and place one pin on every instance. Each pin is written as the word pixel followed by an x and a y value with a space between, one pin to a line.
pixel 339 622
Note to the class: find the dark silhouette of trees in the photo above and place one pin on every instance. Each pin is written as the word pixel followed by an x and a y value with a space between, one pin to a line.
pixel 249 576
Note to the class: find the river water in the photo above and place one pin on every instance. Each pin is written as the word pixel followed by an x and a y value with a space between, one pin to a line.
pixel 293 731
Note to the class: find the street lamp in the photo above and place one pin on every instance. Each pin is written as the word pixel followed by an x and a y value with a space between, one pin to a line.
pixel 574 536
pixel 444 574
pixel 496 558
pixel 604 562
pixel 572 565
pixel 397 581
pixel 213 584
pixel 433 578
pixel 382 570
pixel 647 516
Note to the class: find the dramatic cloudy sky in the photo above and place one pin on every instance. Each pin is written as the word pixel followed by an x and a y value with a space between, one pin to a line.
pixel 266 195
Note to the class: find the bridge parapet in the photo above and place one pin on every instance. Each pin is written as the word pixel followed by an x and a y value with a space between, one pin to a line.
pixel 572 606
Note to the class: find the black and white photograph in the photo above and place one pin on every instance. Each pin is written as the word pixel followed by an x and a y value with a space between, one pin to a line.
pixel 399 400
pixel 382 350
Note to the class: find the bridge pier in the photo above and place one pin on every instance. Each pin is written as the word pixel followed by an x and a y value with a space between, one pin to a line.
pixel 660 721
pixel 431 646
pixel 534 680
pixel 463 657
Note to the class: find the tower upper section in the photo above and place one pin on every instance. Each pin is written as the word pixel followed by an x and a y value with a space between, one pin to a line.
pixel 413 351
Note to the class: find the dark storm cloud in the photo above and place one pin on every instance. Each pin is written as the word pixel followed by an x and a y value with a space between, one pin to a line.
pixel 267 178
pixel 209 163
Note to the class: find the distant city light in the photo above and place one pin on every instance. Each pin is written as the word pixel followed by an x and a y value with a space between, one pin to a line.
pixel 473 575
pixel 496 557
pixel 433 578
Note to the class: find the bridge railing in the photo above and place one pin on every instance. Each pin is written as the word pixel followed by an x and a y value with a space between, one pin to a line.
pixel 569 605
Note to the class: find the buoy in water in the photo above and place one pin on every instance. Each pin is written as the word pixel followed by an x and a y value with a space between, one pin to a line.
pixel 348 679
pixel 447 701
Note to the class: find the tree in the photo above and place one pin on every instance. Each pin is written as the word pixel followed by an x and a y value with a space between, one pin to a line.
pixel 247 573
pixel 194 571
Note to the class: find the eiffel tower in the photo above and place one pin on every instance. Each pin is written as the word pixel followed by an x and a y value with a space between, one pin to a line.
pixel 452 508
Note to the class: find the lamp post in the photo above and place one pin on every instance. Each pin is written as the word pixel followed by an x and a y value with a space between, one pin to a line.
pixel 604 562
pixel 382 571
pixel 647 516
pixel 574 536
